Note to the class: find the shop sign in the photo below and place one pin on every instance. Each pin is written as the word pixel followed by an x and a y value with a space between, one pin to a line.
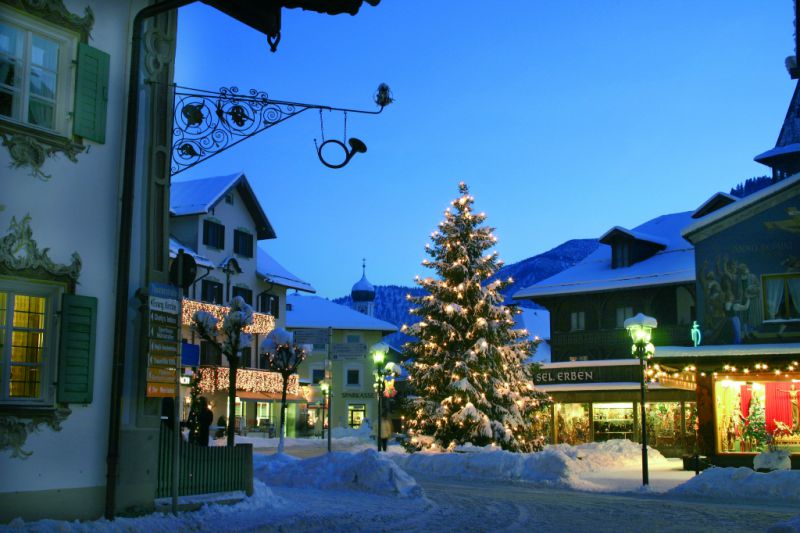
pixel 358 395
pixel 587 374
pixel 349 350
pixel 311 336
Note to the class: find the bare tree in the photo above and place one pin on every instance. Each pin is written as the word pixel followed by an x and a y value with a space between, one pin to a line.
pixel 283 356
pixel 233 339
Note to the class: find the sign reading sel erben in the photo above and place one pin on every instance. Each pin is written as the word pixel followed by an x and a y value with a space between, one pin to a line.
pixel 163 350
pixel 587 374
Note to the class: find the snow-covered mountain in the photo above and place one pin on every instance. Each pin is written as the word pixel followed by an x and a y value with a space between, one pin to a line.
pixel 391 304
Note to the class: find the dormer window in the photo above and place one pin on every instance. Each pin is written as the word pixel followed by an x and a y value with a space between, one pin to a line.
pixel 622 254
pixel 630 247
pixel 229 198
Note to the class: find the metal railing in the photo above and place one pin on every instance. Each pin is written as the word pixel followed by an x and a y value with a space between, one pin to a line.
pixel 204 469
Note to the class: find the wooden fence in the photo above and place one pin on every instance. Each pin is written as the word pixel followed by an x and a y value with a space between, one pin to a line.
pixel 204 469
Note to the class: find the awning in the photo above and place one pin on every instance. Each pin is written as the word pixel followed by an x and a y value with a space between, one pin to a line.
pixel 269 396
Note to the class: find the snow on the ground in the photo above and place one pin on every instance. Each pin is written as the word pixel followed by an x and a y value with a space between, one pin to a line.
pixel 356 488
pixel 743 484
pixel 560 466
pixel 366 471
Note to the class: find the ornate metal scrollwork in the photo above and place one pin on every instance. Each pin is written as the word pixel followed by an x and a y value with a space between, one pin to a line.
pixel 207 123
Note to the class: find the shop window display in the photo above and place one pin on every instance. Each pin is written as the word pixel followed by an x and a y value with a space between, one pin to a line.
pixel 751 415
pixel 573 423
pixel 613 421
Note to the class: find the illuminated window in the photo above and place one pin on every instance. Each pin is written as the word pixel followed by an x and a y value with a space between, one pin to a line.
pixel 26 330
pixel 782 297
pixel 356 412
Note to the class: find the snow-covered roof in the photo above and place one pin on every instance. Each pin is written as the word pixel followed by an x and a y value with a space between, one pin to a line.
pixel 744 203
pixel 789 138
pixel 730 350
pixel 199 196
pixel 175 245
pixel 634 234
pixel 316 312
pixel 673 264
pixel 273 272
pixel 717 201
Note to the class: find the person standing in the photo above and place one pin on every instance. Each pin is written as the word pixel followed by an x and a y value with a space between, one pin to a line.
pixel 386 431
pixel 205 417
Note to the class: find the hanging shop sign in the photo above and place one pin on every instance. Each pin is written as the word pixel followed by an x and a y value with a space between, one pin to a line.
pixel 311 336
pixel 349 350
pixel 164 348
pixel 587 374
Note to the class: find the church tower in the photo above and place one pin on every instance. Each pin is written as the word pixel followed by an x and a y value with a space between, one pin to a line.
pixel 784 159
pixel 363 293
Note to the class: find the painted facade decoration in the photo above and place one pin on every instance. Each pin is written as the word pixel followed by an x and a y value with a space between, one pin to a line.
pixel 749 279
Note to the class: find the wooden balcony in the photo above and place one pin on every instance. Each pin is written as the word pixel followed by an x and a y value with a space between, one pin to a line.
pixel 611 343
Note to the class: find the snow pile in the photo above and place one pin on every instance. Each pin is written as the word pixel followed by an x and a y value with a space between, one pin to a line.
pixel 558 466
pixel 364 432
pixel 743 484
pixel 240 516
pixel 365 471
pixel 611 454
pixel 774 460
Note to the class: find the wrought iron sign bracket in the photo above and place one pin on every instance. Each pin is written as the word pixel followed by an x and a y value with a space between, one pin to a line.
pixel 207 123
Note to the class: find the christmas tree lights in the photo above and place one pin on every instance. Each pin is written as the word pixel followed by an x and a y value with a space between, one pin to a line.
pixel 467 364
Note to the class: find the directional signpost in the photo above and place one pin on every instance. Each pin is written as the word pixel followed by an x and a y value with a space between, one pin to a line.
pixel 163 353
pixel 349 350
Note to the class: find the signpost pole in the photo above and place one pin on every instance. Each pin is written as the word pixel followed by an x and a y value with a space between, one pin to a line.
pixel 329 370
pixel 176 415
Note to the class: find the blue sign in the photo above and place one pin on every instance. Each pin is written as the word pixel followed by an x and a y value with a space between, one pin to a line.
pixel 190 354
pixel 162 290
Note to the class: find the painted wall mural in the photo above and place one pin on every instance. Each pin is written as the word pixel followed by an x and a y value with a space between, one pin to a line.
pixel 748 279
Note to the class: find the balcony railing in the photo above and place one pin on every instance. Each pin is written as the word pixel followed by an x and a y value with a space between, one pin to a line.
pixel 614 342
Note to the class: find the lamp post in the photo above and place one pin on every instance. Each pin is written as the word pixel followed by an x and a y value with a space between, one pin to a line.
pixel 640 328
pixel 378 357
pixel 325 387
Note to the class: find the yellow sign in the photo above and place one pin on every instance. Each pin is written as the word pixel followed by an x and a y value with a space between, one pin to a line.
pixel 160 390
pixel 161 375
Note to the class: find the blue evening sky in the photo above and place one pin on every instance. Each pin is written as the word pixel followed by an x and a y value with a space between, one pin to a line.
pixel 565 117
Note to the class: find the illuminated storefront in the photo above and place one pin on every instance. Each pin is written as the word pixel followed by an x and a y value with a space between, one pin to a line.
pixel 596 401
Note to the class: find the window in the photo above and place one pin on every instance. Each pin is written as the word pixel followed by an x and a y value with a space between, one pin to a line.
pixel 213 234
pixel 782 297
pixel 353 377
pixel 246 294
pixel 246 359
pixel 211 292
pixel 242 243
pixel 269 303
pixel 621 255
pixel 36 73
pixel 316 347
pixel 210 354
pixel 262 412
pixel 317 373
pixel 577 321
pixel 26 343
pixel 355 414
pixel 353 339
pixel 623 314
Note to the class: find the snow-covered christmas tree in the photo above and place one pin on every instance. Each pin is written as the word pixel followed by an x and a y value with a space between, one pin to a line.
pixel 466 368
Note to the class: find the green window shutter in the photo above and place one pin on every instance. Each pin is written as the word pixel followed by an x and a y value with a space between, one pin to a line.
pixel 76 353
pixel 91 94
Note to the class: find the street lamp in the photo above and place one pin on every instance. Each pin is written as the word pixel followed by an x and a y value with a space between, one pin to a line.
pixel 640 328
pixel 378 357
pixel 325 387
